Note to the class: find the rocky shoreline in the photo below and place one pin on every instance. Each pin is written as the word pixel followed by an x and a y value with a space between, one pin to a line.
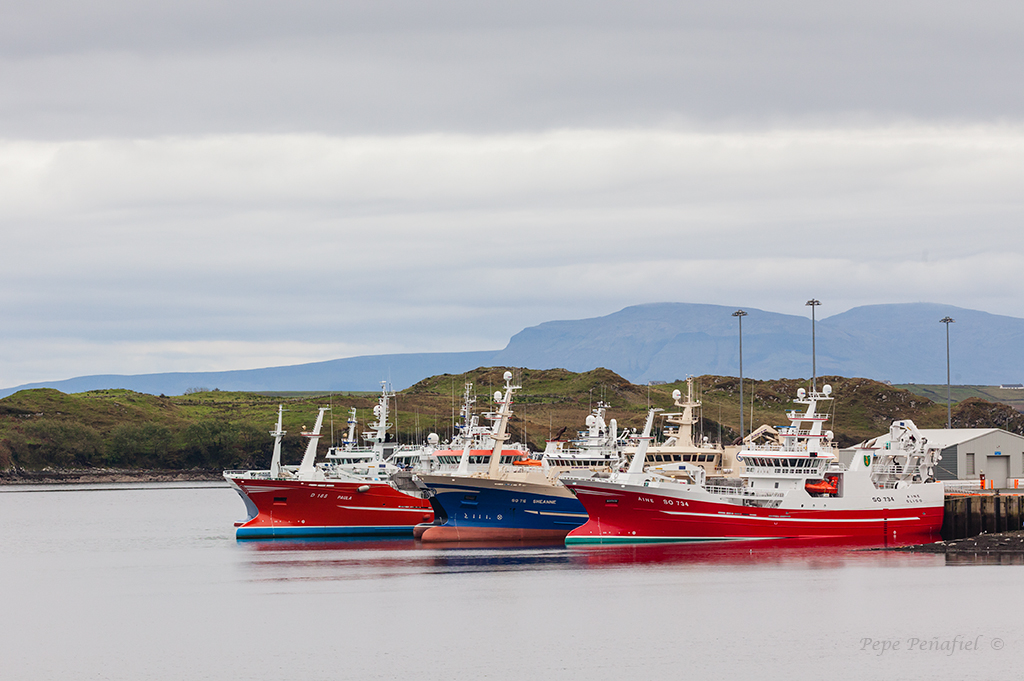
pixel 51 476
pixel 995 543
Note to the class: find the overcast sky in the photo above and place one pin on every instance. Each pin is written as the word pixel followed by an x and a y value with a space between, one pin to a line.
pixel 194 186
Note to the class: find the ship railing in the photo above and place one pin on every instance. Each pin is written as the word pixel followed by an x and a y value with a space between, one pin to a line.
pixel 962 486
pixel 804 416
pixel 771 470
pixel 890 469
pixel 797 451
pixel 249 475
pixel 745 492
pixel 770 447
pixel 799 432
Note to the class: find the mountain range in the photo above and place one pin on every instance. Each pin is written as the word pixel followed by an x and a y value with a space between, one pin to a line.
pixel 901 343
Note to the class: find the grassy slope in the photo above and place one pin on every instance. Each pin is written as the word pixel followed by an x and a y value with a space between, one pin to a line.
pixel 958 393
pixel 223 430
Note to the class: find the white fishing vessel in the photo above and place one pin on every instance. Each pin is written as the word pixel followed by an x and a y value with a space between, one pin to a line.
pixel 683 444
pixel 379 453
pixel 472 442
pixel 599 446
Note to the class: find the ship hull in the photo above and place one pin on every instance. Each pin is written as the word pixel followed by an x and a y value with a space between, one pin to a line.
pixel 627 514
pixel 481 509
pixel 295 508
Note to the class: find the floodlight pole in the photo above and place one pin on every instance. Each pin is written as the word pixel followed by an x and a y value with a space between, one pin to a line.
pixel 814 355
pixel 739 315
pixel 949 402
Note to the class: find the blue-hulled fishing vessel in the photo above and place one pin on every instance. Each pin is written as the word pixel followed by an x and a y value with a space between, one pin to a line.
pixel 522 500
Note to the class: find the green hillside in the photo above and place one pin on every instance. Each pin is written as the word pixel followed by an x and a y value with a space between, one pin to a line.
pixel 958 393
pixel 46 429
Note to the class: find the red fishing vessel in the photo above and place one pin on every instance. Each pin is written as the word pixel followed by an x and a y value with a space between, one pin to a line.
pixel 794 488
pixel 351 494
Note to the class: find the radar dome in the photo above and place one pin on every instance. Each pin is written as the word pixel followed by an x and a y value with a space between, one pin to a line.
pixel 507 376
pixel 827 389
pixel 497 396
pixel 801 393
pixel 433 439
pixel 676 394
pixel 829 435
pixel 591 420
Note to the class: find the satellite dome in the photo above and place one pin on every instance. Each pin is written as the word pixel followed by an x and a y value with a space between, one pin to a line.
pixel 508 375
pixel 676 394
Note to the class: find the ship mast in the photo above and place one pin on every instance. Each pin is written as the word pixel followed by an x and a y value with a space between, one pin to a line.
pixel 379 434
pixel 640 456
pixel 306 467
pixel 500 435
pixel 468 427
pixel 278 433
pixel 685 421
pixel 350 439
pixel 796 438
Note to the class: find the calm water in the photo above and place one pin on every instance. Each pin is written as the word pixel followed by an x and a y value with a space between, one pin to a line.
pixel 147 582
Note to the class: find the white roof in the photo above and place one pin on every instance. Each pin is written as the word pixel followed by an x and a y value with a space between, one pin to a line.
pixel 957 436
pixel 948 437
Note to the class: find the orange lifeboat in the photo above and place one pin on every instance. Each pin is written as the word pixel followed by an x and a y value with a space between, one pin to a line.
pixel 827 486
pixel 527 462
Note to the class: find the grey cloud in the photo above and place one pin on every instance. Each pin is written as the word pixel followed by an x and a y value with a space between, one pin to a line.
pixel 217 185
pixel 71 70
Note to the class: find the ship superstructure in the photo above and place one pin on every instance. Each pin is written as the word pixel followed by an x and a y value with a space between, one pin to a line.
pixel 793 487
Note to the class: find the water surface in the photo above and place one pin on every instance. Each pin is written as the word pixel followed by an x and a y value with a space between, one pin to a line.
pixel 147 582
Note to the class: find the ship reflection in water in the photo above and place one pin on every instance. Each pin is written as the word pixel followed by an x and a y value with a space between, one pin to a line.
pixel 345 559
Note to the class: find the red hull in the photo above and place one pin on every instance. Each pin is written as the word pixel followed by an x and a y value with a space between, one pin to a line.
pixel 624 516
pixel 289 508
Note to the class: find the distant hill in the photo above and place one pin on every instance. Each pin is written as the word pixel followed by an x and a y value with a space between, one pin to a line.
pixel 902 343
pixel 352 373
pixel 46 429
pixel 662 341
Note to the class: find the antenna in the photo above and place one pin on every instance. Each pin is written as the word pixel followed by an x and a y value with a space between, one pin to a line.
pixel 398 441
pixel 751 405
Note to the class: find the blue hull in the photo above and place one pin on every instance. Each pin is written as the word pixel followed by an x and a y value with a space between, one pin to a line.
pixel 364 531
pixel 481 509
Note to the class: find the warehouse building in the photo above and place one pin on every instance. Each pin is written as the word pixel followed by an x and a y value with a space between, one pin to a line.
pixel 967 453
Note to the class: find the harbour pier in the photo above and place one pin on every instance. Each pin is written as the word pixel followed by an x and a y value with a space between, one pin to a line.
pixel 968 515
